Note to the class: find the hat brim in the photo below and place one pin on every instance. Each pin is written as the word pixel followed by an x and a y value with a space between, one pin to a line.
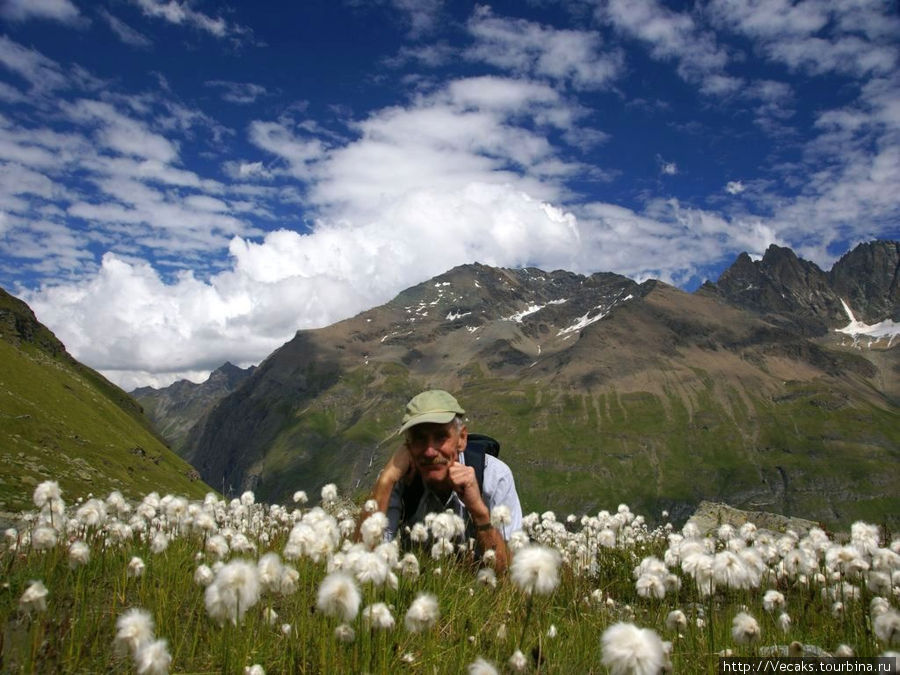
pixel 430 417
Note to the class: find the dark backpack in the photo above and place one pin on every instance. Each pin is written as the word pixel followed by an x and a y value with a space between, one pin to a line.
pixel 477 446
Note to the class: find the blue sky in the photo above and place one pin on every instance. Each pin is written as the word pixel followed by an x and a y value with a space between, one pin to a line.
pixel 185 183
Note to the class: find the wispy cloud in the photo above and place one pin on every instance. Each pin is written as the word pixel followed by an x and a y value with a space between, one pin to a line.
pixel 847 37
pixel 41 73
pixel 530 49
pixel 124 32
pixel 56 10
pixel 182 14
pixel 422 15
pixel 674 36
pixel 242 93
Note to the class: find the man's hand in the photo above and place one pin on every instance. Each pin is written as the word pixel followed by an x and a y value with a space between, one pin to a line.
pixel 463 482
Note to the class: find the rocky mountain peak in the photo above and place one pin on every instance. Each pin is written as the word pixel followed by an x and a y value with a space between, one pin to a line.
pixel 797 293
pixel 176 408
pixel 868 278
pixel 227 376
pixel 19 324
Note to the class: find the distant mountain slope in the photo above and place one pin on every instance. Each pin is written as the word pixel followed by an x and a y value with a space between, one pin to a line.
pixel 173 410
pixel 601 390
pixel 60 420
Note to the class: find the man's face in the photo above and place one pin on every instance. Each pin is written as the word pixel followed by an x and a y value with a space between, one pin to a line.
pixel 434 447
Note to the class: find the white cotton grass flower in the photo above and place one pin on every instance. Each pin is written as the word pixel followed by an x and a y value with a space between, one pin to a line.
pixel 535 569
pixel 422 613
pixel 378 616
pixel 79 554
pixel 844 652
pixel 134 629
pixel 447 525
pixel 371 568
pixel 730 570
pixel 442 548
pixel 34 599
pixel 372 529
pixel 418 533
pixel 45 493
pixel 92 513
pixel 744 629
pixel 217 546
pixel 486 577
pixel 847 560
pixel 651 586
pixel 44 538
pixel 629 650
pixel 204 576
pixel 481 667
pixel 235 589
pixel 676 621
pixel 270 572
pixel 773 600
pixel 255 669
pixel 345 633
pixel 552 632
pixel 517 662
pixel 879 582
pixel 887 627
pixel 878 605
pixel 784 622
pixel 501 516
pixel 329 494
pixel 159 543
pixel 339 596
pixel 409 566
pixel 153 658
pixel 865 537
pixel 300 497
pixel 136 567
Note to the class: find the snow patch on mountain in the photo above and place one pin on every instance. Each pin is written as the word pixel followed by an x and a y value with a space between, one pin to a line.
pixel 531 309
pixel 887 329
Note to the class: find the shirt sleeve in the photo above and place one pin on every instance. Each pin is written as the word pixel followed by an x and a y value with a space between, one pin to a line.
pixel 500 489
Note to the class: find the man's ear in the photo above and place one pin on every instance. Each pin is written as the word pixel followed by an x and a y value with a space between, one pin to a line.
pixel 463 438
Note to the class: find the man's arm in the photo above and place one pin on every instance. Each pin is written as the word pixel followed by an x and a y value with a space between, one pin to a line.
pixel 488 537
pixel 398 467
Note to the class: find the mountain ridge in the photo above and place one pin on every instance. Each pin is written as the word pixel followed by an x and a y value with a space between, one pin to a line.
pixel 665 384
pixel 174 409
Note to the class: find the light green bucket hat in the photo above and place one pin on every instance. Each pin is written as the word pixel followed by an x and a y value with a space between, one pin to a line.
pixel 435 405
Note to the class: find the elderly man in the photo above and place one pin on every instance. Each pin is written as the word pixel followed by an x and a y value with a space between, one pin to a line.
pixel 434 453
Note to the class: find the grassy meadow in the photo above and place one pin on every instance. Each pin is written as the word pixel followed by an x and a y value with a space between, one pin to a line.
pixel 170 584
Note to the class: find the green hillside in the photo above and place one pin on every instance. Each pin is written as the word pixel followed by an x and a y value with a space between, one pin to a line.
pixel 803 451
pixel 60 420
